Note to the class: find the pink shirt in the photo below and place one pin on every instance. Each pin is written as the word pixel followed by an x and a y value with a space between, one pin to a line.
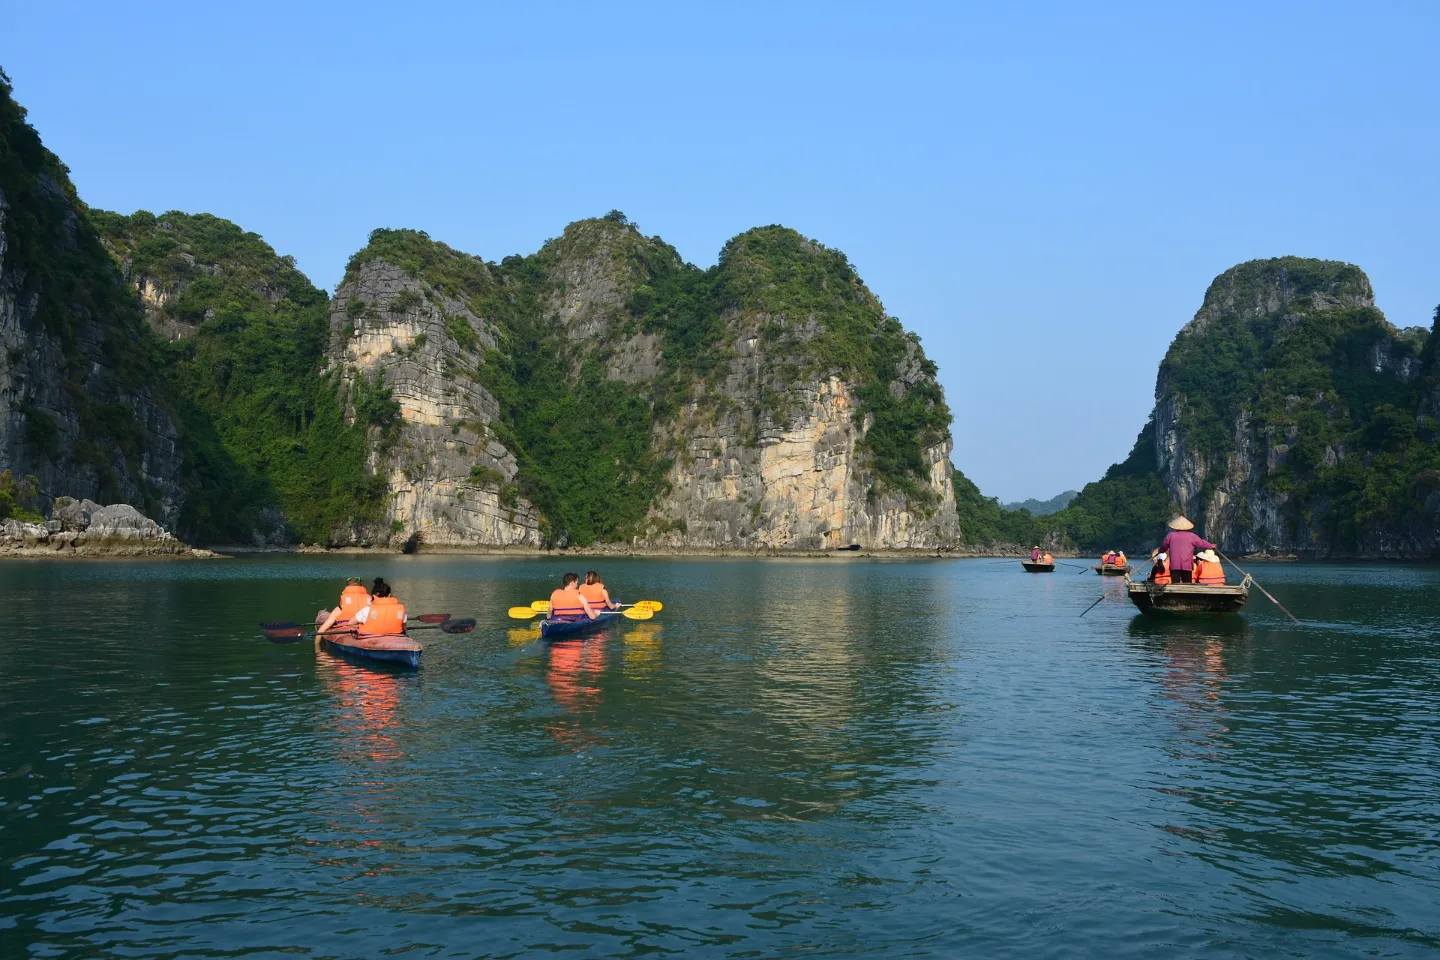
pixel 1181 545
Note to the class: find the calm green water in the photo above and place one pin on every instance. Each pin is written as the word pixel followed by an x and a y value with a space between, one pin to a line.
pixel 826 758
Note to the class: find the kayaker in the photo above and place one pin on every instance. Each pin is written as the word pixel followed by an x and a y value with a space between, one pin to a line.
pixel 353 599
pixel 1160 569
pixel 567 602
pixel 385 616
pixel 1208 570
pixel 1180 544
pixel 594 591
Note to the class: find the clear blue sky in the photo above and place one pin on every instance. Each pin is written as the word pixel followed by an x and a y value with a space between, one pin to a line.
pixel 1041 190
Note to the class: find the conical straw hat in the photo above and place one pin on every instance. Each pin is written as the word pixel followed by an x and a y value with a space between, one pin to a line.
pixel 1180 523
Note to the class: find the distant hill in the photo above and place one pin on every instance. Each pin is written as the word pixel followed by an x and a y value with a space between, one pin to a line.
pixel 1043 508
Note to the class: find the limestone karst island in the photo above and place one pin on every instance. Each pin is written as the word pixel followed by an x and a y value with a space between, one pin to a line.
pixel 746 481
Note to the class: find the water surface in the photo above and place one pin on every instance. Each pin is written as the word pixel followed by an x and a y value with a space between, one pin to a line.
pixel 817 758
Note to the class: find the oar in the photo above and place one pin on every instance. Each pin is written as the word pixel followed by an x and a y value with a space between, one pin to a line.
pixel 286 624
pixel 294 632
pixel 632 612
pixel 1262 589
pixel 1102 597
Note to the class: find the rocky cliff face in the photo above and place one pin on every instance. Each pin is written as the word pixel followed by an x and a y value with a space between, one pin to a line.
pixel 451 482
pixel 78 406
pixel 1289 417
pixel 768 403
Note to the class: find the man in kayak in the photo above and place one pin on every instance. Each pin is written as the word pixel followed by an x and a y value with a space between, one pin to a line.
pixel 353 599
pixel 385 616
pixel 567 603
pixel 594 591
pixel 1181 543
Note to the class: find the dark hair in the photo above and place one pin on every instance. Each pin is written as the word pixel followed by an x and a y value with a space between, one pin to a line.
pixel 381 588
pixel 568 579
pixel 591 576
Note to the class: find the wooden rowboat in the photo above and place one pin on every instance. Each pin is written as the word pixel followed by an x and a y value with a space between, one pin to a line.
pixel 1188 599
pixel 1037 567
pixel 1112 569
pixel 386 648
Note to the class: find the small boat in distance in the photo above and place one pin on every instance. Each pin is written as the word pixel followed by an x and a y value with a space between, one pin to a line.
pixel 1037 567
pixel 1188 599
pixel 1112 569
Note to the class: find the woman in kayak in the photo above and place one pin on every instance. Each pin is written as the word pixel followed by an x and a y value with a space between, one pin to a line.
pixel 594 591
pixel 385 616
pixel 353 599
pixel 567 603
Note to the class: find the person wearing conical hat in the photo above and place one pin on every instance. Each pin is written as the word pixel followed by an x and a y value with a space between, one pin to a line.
pixel 1181 543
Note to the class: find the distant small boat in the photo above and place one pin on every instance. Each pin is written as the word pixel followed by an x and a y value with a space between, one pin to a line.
pixel 1188 599
pixel 1037 567
pixel 1112 569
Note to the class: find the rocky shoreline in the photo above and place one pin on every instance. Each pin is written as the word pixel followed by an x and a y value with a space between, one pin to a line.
pixel 83 528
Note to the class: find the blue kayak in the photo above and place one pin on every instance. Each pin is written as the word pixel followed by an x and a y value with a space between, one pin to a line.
pixel 552 629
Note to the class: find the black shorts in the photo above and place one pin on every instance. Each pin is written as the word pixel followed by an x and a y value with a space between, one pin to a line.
pixel 1180 576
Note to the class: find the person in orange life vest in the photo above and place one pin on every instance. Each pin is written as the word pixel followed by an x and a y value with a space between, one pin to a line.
pixel 567 603
pixel 594 591
pixel 1160 572
pixel 1047 558
pixel 1120 560
pixel 353 599
pixel 1035 555
pixel 1109 558
pixel 1208 570
pixel 385 616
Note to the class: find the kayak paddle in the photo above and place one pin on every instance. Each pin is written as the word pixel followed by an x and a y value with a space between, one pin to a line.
pixel 294 632
pixel 634 612
pixel 286 624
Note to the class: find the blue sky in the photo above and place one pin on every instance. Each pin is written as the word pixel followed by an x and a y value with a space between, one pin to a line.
pixel 1042 191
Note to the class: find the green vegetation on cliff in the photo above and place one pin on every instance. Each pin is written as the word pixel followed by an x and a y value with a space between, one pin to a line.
pixel 1298 348
pixel 593 450
pixel 53 251
pixel 263 425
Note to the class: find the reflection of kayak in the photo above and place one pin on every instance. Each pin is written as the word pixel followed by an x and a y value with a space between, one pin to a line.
pixel 555 629
pixel 387 648
pixel 1031 567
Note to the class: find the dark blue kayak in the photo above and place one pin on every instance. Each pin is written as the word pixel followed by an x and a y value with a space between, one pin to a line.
pixel 557 629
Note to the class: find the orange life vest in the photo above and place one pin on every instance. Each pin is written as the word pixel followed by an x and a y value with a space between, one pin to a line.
pixel 563 603
pixel 1047 559
pixel 594 592
pixel 1209 573
pixel 352 598
pixel 386 616
pixel 1163 574
pixel 1108 559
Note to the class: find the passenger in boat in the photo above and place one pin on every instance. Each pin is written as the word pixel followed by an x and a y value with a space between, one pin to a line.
pixel 385 616
pixel 1181 543
pixel 1208 571
pixel 353 599
pixel 1120 560
pixel 1160 568
pixel 567 603
pixel 594 591
pixel 1047 558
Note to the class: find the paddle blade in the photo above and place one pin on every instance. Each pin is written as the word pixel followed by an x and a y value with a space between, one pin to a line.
pixel 285 635
pixel 540 606
pixel 637 613
pixel 433 617
pixel 522 613
pixel 458 626
pixel 654 606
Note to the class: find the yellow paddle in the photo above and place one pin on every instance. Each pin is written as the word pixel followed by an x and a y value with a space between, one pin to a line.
pixel 635 612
